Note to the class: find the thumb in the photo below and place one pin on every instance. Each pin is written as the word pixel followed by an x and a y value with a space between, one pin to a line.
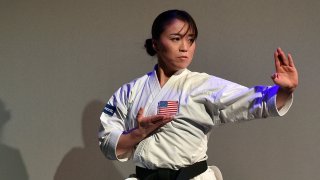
pixel 140 114
pixel 275 76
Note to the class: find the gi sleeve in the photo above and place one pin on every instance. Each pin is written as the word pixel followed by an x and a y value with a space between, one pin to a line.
pixel 231 102
pixel 113 123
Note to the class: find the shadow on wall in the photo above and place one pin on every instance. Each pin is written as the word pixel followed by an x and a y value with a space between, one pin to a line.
pixel 88 162
pixel 11 164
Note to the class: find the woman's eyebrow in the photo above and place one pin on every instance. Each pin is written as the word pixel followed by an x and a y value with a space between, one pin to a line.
pixel 176 34
pixel 182 35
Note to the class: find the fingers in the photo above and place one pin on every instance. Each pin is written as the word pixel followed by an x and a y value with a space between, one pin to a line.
pixel 282 60
pixel 166 120
pixel 162 122
pixel 156 120
pixel 282 57
pixel 160 118
pixel 277 61
pixel 140 114
pixel 290 60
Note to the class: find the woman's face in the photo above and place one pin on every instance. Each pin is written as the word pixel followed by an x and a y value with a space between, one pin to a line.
pixel 175 47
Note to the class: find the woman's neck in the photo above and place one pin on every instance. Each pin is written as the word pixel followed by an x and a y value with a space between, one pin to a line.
pixel 163 75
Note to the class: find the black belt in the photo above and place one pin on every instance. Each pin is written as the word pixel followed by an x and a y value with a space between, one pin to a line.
pixel 170 174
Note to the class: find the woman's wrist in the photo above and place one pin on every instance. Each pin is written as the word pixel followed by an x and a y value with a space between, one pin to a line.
pixel 128 140
pixel 131 137
pixel 283 95
pixel 138 134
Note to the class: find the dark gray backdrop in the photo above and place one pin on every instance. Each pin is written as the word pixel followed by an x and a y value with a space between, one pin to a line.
pixel 62 60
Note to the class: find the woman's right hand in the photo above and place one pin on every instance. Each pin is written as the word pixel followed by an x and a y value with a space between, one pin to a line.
pixel 146 125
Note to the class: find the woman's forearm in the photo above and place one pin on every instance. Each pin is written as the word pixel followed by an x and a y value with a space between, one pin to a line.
pixel 128 140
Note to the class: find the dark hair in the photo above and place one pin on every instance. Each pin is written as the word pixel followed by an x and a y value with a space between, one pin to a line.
pixel 164 19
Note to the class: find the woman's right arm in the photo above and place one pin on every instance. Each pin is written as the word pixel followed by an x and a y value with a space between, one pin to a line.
pixel 146 125
pixel 118 133
pixel 115 140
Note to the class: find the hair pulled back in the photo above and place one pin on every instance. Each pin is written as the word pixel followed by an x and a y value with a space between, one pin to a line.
pixel 164 19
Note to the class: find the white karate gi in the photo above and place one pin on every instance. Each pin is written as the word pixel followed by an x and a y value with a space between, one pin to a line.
pixel 204 102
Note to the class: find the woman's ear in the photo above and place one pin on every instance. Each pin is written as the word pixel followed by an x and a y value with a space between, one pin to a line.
pixel 155 45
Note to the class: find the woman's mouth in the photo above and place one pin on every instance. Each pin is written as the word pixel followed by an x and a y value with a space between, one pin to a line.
pixel 183 57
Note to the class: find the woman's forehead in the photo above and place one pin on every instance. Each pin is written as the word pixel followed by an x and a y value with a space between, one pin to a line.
pixel 178 26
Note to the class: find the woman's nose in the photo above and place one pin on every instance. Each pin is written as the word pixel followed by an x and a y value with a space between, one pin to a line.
pixel 183 46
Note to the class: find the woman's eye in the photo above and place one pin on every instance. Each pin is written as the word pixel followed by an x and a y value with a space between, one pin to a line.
pixel 175 39
pixel 191 40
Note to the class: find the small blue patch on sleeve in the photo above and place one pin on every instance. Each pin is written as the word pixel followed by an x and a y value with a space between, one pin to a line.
pixel 110 110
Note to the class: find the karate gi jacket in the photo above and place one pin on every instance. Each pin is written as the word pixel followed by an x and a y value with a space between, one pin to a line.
pixel 204 101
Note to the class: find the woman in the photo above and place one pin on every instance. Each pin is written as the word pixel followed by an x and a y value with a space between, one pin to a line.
pixel 163 119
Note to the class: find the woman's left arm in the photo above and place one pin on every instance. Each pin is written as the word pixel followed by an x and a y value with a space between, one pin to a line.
pixel 286 76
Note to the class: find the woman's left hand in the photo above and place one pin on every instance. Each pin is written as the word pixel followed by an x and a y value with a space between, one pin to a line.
pixel 286 75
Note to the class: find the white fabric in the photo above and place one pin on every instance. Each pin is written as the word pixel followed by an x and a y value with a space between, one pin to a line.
pixel 205 101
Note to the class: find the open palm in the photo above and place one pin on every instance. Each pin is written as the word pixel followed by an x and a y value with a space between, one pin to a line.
pixel 286 75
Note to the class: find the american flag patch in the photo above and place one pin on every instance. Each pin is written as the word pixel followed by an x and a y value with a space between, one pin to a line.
pixel 168 107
